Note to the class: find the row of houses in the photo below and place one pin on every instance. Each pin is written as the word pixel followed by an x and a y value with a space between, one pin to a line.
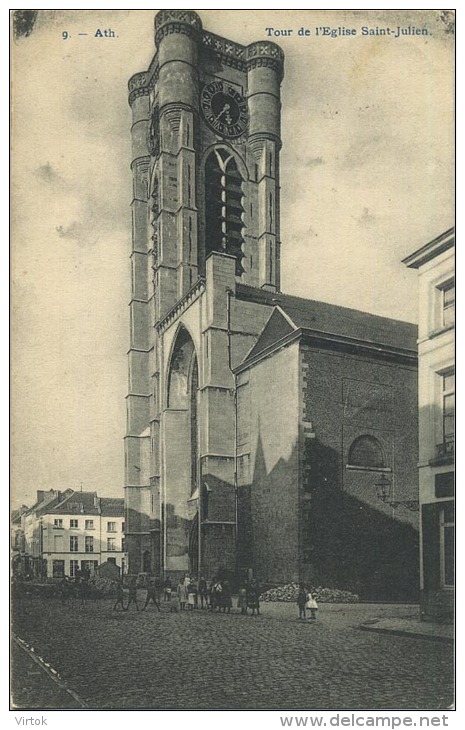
pixel 67 533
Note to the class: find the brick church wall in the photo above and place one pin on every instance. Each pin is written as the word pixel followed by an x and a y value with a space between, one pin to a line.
pixel 348 536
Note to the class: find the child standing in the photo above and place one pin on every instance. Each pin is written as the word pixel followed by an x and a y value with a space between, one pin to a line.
pixel 242 600
pixel 312 606
pixel 174 602
pixel 253 597
pixel 191 596
pixel 182 594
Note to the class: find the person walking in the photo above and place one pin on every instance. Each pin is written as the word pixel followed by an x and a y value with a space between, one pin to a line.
pixel 132 598
pixel 119 596
pixel 151 594
pixel 302 599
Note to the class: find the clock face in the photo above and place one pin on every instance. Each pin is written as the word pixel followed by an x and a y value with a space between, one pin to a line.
pixel 224 109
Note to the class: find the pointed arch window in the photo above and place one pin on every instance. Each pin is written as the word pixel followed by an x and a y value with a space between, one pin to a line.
pixel 183 385
pixel 180 370
pixel 224 206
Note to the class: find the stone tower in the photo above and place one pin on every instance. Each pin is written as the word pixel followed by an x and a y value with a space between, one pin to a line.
pixel 205 219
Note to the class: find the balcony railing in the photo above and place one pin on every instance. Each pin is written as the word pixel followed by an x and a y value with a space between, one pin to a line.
pixel 444 452
pixel 447 448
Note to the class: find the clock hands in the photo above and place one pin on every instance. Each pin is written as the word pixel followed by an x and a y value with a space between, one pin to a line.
pixel 225 110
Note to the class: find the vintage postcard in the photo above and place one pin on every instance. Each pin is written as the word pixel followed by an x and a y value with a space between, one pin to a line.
pixel 233 379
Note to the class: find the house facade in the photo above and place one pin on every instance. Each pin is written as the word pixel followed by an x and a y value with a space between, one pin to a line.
pixel 435 263
pixel 70 533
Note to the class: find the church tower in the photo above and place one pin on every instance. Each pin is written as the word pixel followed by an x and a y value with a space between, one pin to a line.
pixel 205 220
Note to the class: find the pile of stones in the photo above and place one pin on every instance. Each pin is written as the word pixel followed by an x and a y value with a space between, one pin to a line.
pixel 289 593
pixel 103 587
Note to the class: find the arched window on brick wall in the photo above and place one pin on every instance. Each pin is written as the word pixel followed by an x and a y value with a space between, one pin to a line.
pixel 366 451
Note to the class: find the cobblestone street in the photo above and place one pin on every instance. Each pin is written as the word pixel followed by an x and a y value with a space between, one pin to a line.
pixel 151 660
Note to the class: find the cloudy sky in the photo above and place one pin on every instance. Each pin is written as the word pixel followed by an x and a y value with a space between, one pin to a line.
pixel 366 177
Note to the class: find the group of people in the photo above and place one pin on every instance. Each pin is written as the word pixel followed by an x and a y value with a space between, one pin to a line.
pixel 80 587
pixel 152 587
pixel 306 602
pixel 213 595
pixel 189 594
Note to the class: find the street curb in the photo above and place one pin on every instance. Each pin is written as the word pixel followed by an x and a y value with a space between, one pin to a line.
pixel 404 632
pixel 49 671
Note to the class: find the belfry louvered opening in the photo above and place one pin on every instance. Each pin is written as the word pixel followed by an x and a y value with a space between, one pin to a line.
pixel 224 206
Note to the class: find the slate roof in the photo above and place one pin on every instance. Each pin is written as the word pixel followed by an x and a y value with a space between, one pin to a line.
pixel 112 506
pixel 328 320
pixel 49 501
pixel 77 503
pixel 70 502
